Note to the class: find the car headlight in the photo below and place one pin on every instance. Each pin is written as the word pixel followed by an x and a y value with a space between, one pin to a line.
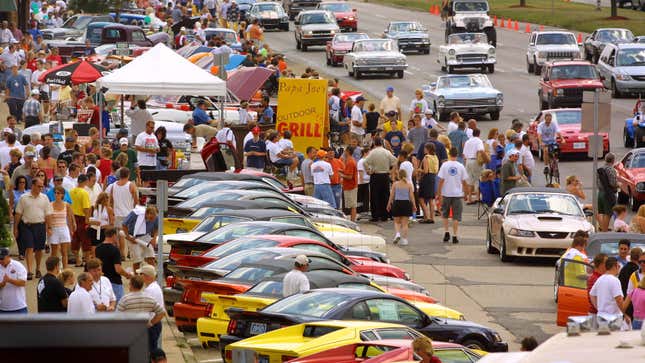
pixel 623 77
pixel 332 32
pixel 640 187
pixel 407 276
pixel 308 32
pixel 491 51
pixel 521 233
pixel 350 18
pixel 361 61
pixel 497 337
pixel 400 61
pixel 451 52
pixel 441 101
pixel 500 99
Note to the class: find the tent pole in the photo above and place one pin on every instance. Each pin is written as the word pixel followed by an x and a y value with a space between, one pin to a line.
pixel 98 98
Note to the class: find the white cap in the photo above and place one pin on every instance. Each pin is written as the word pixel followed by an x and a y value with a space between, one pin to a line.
pixel 302 260
pixel 7 130
pixel 429 111
pixel 147 270
pixel 123 141
pixel 513 152
pixel 35 92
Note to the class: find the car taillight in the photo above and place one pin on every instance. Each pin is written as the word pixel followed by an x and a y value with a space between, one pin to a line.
pixel 286 358
pixel 232 327
pixel 170 281
pixel 208 309
pixel 228 355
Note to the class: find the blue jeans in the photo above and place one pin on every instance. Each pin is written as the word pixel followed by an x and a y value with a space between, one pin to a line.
pixel 637 324
pixel 118 291
pixel 337 190
pixel 324 192
pixel 19 311
pixel 154 333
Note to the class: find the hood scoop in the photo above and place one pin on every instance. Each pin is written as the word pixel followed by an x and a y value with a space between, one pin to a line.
pixel 549 218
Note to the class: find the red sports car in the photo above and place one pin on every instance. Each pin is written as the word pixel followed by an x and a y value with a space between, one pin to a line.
pixel 569 121
pixel 630 173
pixel 340 45
pixel 346 17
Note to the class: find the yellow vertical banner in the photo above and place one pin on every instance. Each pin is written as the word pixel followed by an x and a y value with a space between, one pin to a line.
pixel 302 109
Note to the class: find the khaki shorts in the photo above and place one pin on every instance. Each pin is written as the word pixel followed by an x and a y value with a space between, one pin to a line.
pixel 139 253
pixel 350 197
pixel 309 189
pixel 474 171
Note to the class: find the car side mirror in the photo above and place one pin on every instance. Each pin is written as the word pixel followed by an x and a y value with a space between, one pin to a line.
pixel 588 213
pixel 498 210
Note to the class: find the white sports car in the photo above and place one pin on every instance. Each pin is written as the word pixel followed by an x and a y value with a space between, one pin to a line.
pixel 467 50
pixel 375 56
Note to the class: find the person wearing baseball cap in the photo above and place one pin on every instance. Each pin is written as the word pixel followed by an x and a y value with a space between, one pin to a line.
pixel 429 121
pixel 295 281
pixel 390 102
pixel 152 289
pixel 124 147
pixel 322 171
pixel 510 174
pixel 255 150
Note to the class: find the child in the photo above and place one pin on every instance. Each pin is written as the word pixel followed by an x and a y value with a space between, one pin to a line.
pixel 620 212
pixel 66 277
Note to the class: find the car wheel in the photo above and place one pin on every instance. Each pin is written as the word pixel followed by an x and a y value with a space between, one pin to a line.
pixel 627 141
pixel 503 254
pixel 399 74
pixel 494 115
pixel 622 198
pixel 298 44
pixel 473 344
pixel 350 72
pixel 536 67
pixel 357 74
pixel 304 47
pixel 426 51
pixel 489 242
pixel 529 66
pixel 491 68
pixel 328 59
pixel 615 93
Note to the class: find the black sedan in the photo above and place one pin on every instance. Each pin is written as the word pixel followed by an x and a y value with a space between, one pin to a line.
pixel 350 304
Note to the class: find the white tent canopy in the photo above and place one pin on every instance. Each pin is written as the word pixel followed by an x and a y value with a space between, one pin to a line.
pixel 161 71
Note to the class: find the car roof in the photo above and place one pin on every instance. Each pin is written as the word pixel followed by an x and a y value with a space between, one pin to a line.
pixel 256 213
pixel 314 12
pixel 521 190
pixel 601 29
pixel 403 22
pixel 553 32
pixel 220 175
pixel 360 324
pixel 227 30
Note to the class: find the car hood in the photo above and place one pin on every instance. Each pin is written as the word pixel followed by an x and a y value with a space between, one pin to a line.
pixel 632 71
pixel 343 46
pixel 461 324
pixel 343 14
pixel 557 47
pixel 344 239
pixel 638 174
pixel 469 48
pixel 576 83
pixel 386 54
pixel 399 35
pixel 574 130
pixel 548 222
pixel 468 92
pixel 327 26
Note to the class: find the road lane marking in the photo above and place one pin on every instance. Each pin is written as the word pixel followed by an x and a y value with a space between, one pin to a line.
pixel 408 72
pixel 380 16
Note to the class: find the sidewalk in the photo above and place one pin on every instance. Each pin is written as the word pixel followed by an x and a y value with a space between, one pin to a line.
pixel 174 343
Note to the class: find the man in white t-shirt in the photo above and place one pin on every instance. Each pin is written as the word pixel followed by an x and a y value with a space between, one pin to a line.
pixel 13 277
pixel 607 294
pixel 450 193
pixel 281 156
pixel 101 292
pixel 147 147
pixel 528 162
pixel 472 147
pixel 356 126
pixel 295 281
pixel 80 301
pixel 390 102
pixel 152 289
pixel 429 122
pixel 363 183
pixel 321 171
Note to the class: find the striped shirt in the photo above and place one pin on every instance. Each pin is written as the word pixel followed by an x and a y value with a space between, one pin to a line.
pixel 31 108
pixel 138 302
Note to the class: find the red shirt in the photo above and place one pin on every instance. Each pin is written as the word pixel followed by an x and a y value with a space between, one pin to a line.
pixel 350 169
pixel 590 282
pixel 336 165
pixel 105 167
pixel 55 58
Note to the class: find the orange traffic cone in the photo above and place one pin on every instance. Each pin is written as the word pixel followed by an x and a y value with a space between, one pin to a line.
pixel 431 10
pixel 528 28
pixel 501 23
pixel 517 26
pixel 495 21
pixel 541 28
pixel 579 38
pixel 509 24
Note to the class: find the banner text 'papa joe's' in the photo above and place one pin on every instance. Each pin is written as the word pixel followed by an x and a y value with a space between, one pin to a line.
pixel 302 109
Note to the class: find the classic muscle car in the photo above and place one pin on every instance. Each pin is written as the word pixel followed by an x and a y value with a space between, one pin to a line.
pixel 630 174
pixel 375 56
pixel 270 14
pixel 595 43
pixel 409 35
pixel 467 50
pixel 470 94
pixel 340 45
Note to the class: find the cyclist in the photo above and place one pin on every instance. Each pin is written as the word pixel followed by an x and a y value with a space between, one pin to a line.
pixel 548 134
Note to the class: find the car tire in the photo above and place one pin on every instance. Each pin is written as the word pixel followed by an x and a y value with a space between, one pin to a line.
pixel 474 344
pixel 503 255
pixel 450 69
pixel 357 74
pixel 633 202
pixel 536 67
pixel 426 51
pixel 622 198
pixel 494 115
pixel 304 47
pixel 298 44
pixel 615 93
pixel 627 141
pixel 529 66
pixel 489 242
pixel 491 68
pixel 399 74
pixel 350 72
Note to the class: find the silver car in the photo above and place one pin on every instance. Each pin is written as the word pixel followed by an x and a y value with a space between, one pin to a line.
pixel 622 68
pixel 314 27
pixel 375 56
pixel 550 46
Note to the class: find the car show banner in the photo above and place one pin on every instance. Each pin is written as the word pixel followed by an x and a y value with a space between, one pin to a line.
pixel 302 109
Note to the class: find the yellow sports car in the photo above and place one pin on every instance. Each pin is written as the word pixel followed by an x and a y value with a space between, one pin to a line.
pixel 266 292
pixel 305 339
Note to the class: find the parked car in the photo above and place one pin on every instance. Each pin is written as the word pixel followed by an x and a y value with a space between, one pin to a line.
pixel 569 121
pixel 375 56
pixel 340 45
pixel 622 68
pixel 562 83
pixel 467 50
pixel 270 14
pixel 409 36
pixel 244 6
pixel 230 36
pixel 469 94
pixel 314 27
pixel 595 43
pixel 640 38
pixel 550 46
pixel 295 7
pixel 630 174
pixel 188 181
pixel 346 17
pixel 140 20
pixel 74 26
pixel 350 304
pixel 534 222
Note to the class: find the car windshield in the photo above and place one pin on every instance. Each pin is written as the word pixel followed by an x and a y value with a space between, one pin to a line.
pixel 206 198
pixel 373 46
pixel 240 244
pixel 234 231
pixel 556 38
pixel 582 71
pixel 406 27
pixel 638 161
pixel 77 22
pixel 317 18
pixel 568 117
pixel 267 7
pixel 529 203
pixel 266 288
pixel 250 274
pixel 206 211
pixel 475 80
pixel 468 38
pixel 199 189
pixel 631 57
pixel 314 304
pixel 349 37
pixel 215 222
pixel 229 37
pixel 614 35
pixel 471 6
pixel 231 262
pixel 336 7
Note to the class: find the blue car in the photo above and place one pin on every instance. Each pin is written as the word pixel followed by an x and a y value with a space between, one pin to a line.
pixel 230 36
pixel 635 136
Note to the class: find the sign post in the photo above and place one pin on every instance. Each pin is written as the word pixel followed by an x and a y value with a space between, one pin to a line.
pixel 162 205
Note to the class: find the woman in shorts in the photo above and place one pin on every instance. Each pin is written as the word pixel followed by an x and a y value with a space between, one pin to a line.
pixel 63 225
pixel 401 205
pixel 102 218
pixel 428 174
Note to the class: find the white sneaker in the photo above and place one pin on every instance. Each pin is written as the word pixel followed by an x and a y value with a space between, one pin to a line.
pixel 396 239
pixel 404 242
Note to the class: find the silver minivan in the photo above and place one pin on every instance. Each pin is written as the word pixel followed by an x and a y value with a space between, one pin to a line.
pixel 622 68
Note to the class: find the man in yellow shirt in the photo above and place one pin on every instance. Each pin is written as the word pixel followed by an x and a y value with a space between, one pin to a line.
pixel 393 119
pixel 81 208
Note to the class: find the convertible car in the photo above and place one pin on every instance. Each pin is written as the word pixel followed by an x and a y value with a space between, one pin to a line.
pixel 630 174
pixel 569 121
pixel 409 36
pixel 534 222
pixel 351 304
pixel 375 56
pixel 467 50
pixel 267 291
pixel 340 45
pixel 469 94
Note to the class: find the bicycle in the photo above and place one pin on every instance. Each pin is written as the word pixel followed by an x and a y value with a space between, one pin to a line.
pixel 552 169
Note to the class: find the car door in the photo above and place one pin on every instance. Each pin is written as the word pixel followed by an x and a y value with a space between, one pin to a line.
pixel 530 52
pixel 387 310
pixel 497 220
pixel 623 176
pixel 572 294
pixel 588 44
pixel 604 67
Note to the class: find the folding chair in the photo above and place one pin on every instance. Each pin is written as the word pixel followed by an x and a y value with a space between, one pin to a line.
pixel 488 193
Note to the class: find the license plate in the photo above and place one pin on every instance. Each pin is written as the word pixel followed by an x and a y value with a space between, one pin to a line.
pixel 579 145
pixel 258 328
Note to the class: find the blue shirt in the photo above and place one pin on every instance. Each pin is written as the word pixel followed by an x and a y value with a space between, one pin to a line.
pixel 35 33
pixel 200 117
pixel 255 161
pixel 52 197
pixel 16 85
pixel 267 114
pixel 131 221
pixel 395 138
